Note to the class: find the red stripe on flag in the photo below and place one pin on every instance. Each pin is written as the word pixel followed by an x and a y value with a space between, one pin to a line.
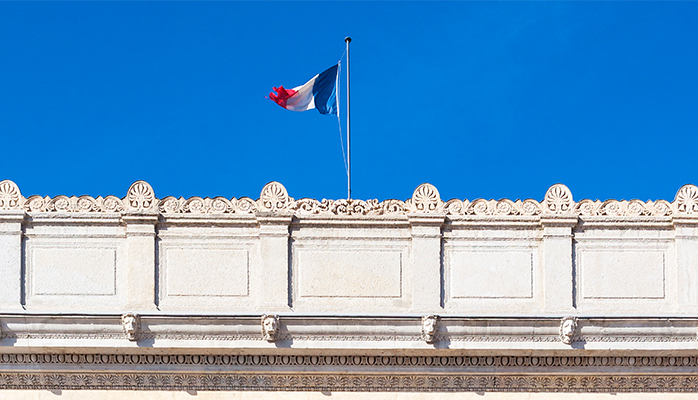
pixel 281 96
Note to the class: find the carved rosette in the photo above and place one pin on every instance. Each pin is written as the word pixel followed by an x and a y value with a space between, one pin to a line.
pixel 686 200
pixel 274 198
pixel 131 324
pixel 426 199
pixel 568 328
pixel 558 200
pixel 270 327
pixel 10 196
pixel 430 325
pixel 141 196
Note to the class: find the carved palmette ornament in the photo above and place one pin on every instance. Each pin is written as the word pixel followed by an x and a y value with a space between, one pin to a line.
pixel 430 325
pixel 270 327
pixel 131 324
pixel 426 199
pixel 686 200
pixel 558 200
pixel 141 196
pixel 274 197
pixel 10 196
pixel 568 328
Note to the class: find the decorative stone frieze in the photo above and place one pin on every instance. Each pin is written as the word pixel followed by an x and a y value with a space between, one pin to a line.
pixel 426 199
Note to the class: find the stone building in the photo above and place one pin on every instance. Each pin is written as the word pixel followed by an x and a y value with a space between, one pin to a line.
pixel 284 298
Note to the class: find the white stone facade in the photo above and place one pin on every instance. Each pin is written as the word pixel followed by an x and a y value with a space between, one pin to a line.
pixel 284 294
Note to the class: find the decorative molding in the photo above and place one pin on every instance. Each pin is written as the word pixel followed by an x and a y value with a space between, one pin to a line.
pixel 73 204
pixel 425 199
pixel 198 205
pixel 351 382
pixel 519 362
pixel 609 338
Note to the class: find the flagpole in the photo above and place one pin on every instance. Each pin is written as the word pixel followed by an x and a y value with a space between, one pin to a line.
pixel 348 40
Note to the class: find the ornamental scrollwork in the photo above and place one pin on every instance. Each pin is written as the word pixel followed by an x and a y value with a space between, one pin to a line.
pixel 73 204
pixel 617 208
pixel 198 205
pixel 425 199
pixel 492 207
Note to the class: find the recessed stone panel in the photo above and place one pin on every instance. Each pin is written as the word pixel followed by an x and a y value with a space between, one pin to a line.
pixel 486 273
pixel 206 272
pixel 361 273
pixel 73 271
pixel 619 274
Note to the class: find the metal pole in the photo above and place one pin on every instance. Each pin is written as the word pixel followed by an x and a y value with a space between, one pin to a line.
pixel 348 40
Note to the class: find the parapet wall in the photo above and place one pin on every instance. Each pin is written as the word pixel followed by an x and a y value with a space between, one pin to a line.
pixel 276 254
pixel 278 294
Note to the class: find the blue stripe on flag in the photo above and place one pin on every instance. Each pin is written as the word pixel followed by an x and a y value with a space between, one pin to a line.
pixel 325 91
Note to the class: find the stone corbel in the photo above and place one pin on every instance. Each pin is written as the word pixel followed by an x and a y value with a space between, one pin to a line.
pixel 568 328
pixel 430 326
pixel 131 324
pixel 270 327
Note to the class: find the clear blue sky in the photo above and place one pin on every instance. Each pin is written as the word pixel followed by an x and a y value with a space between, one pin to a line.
pixel 481 99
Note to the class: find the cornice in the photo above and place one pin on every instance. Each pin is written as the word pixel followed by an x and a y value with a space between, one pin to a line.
pixel 274 198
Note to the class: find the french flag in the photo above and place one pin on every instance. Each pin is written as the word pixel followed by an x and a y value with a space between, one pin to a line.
pixel 320 92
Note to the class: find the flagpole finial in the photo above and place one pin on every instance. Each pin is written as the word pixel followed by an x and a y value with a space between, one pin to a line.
pixel 347 39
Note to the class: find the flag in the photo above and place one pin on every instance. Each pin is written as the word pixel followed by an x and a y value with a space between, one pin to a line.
pixel 320 92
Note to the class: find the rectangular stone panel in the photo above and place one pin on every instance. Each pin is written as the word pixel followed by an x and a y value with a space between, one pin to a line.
pixel 487 273
pixel 73 271
pixel 621 274
pixel 360 273
pixel 206 272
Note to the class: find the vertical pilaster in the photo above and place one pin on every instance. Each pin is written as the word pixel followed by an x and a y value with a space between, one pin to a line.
pixel 273 247
pixel 426 261
pixel 140 263
pixel 558 269
pixel 11 259
pixel 686 239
